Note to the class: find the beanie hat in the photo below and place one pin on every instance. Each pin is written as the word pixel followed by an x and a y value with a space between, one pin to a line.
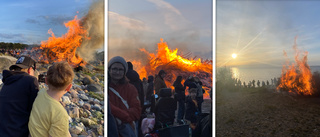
pixel 118 59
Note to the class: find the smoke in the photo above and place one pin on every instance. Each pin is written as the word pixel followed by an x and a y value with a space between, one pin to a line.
pixel 93 22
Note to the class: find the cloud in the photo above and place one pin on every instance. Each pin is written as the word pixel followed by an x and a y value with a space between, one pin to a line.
pixel 172 16
pixel 126 22
pixel 32 21
pixel 11 36
pixel 56 19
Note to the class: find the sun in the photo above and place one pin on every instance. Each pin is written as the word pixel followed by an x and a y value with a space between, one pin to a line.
pixel 234 55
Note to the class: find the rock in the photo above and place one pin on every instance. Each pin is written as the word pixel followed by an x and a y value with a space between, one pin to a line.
pixel 102 103
pixel 74 93
pixel 97 114
pixel 83 97
pixel 73 135
pixel 96 101
pixel 98 129
pixel 94 78
pixel 75 130
pixel 94 88
pixel 87 106
pixel 87 80
pixel 96 107
pixel 68 95
pixel 81 92
pixel 88 122
pixel 81 103
pixel 75 100
pixel 73 112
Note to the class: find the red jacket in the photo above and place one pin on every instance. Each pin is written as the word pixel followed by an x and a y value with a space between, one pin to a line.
pixel 129 93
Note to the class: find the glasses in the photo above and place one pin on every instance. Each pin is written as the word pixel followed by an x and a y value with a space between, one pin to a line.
pixel 117 70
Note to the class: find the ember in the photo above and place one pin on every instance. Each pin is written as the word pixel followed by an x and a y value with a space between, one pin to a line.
pixel 297 78
pixel 175 65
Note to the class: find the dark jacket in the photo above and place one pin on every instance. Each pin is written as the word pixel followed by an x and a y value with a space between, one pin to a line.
pixel 150 88
pixel 191 110
pixel 179 90
pixel 16 98
pixel 134 78
pixel 159 84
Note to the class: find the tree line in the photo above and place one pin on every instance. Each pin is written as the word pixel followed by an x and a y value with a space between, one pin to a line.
pixel 4 45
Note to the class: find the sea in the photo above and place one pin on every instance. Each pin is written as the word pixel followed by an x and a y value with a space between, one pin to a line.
pixel 246 74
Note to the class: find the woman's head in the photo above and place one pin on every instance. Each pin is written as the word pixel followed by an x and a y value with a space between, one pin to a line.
pixel 117 69
pixel 59 76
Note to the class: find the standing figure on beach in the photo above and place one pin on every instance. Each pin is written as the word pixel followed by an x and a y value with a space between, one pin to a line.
pixel 258 83
pixel 123 97
pixel 17 96
pixel 244 84
pixel 180 97
pixel 200 92
pixel 48 117
pixel 267 82
pixel 239 83
pixel 159 81
pixel 253 83
pixel 263 84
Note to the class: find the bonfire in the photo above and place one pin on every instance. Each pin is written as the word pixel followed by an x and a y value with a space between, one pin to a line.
pixel 175 65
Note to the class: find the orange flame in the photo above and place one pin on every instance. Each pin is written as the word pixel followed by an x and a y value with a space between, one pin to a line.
pixel 297 78
pixel 64 48
pixel 174 65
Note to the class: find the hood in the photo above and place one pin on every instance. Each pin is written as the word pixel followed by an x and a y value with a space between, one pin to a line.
pixel 12 76
pixel 133 76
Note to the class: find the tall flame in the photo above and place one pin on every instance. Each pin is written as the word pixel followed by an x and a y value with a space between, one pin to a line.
pixel 297 78
pixel 64 48
pixel 175 65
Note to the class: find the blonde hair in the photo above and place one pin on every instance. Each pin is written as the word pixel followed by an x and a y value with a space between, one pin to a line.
pixel 60 75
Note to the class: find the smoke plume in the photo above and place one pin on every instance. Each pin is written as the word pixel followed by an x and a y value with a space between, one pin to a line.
pixel 93 22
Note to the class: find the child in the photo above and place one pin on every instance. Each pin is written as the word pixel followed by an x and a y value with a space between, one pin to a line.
pixel 191 107
pixel 48 117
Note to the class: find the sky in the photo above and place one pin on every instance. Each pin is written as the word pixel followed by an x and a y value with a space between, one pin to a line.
pixel 259 32
pixel 28 21
pixel 186 25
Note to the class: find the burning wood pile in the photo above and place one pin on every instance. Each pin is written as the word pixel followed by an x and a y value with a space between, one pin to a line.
pixel 297 77
pixel 175 65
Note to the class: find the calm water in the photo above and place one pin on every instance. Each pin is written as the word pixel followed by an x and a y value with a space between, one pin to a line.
pixel 261 74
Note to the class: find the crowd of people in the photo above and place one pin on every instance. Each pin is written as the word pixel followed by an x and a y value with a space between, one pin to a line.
pixel 252 84
pixel 141 107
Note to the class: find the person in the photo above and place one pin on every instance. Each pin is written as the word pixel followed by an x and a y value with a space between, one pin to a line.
pixel 134 79
pixel 190 83
pixel 258 83
pixel 17 95
pixel 145 87
pixel 150 93
pixel 192 107
pixel 112 125
pixel 48 117
pixel 180 97
pixel 159 81
pixel 200 92
pixel 123 97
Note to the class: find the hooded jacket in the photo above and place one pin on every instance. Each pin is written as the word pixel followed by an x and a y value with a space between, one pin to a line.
pixel 159 84
pixel 16 98
pixel 134 79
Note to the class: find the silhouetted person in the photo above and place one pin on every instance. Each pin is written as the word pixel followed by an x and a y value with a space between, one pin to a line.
pixel 180 97
pixel 244 84
pixel 253 83
pixel 267 83
pixel 134 79
pixel 258 83
pixel 263 84
pixel 159 81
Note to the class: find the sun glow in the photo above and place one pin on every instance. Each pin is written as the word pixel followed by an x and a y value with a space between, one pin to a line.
pixel 234 55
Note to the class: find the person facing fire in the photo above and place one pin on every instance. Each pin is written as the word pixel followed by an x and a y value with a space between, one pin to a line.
pixel 192 107
pixel 180 97
pixel 200 93
pixel 123 97
pixel 134 79
pixel 17 96
pixel 48 117
pixel 159 81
